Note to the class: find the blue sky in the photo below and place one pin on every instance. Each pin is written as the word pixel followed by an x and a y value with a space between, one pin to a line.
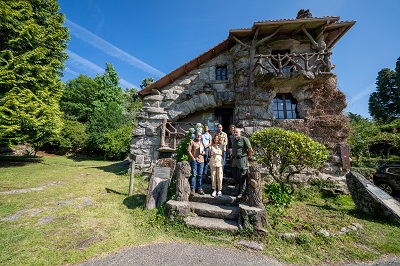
pixel 150 38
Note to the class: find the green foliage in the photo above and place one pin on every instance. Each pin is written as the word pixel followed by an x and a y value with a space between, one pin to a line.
pixel 146 82
pixel 373 137
pixel 78 98
pixel 181 150
pixel 277 196
pixel 108 89
pixel 103 121
pixel 384 104
pixel 116 142
pixel 362 132
pixel 286 153
pixel 32 57
pixel 132 103
pixel 72 137
pixel 25 118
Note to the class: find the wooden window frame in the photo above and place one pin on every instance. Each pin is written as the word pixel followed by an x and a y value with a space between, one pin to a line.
pixel 285 106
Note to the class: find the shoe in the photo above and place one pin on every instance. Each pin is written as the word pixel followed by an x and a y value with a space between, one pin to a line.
pixel 240 196
pixel 219 193
pixel 201 192
pixel 192 192
pixel 214 193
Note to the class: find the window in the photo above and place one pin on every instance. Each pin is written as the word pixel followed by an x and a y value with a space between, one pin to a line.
pixel 221 73
pixel 285 106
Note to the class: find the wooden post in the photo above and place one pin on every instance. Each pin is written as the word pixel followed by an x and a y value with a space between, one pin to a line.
pixel 164 126
pixel 132 176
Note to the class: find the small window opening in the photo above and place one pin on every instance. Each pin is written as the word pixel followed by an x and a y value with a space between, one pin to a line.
pixel 285 106
pixel 221 73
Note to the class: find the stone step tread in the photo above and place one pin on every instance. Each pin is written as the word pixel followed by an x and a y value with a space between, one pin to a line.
pixel 207 198
pixel 212 223
pixel 226 189
pixel 214 210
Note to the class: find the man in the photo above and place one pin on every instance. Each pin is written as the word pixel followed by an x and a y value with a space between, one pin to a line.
pixel 241 150
pixel 206 139
pixel 224 141
pixel 196 154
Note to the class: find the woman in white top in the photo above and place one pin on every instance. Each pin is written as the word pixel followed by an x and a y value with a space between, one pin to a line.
pixel 216 163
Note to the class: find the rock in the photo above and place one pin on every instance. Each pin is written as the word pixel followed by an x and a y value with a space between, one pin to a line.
pixel 370 199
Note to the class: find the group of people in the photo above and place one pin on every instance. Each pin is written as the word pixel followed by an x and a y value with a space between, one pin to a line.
pixel 207 151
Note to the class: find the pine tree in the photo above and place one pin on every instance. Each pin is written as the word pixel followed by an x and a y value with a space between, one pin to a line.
pixel 32 45
pixel 384 104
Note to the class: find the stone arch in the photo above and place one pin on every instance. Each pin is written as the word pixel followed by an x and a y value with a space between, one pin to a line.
pixel 198 102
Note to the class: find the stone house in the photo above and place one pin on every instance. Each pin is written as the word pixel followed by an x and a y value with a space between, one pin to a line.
pixel 276 73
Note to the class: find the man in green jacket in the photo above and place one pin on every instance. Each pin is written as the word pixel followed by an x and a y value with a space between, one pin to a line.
pixel 241 150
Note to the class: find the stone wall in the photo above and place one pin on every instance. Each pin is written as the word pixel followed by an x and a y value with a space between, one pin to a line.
pixel 320 105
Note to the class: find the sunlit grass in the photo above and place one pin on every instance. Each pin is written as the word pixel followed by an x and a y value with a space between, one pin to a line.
pixel 83 211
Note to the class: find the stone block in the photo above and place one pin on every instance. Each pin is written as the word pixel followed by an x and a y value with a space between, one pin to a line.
pixel 138 131
pixel 153 110
pixel 158 116
pixel 204 101
pixel 151 104
pixel 370 199
pixel 153 98
pixel 178 208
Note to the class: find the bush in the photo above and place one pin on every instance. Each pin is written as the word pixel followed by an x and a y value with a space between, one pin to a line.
pixel 285 153
pixel 116 143
pixel 277 196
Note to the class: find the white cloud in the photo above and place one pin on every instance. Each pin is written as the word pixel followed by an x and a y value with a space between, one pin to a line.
pixel 366 92
pixel 86 65
pixel 110 49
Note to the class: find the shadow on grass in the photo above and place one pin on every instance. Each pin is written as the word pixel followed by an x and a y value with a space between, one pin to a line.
pixel 356 214
pixel 15 161
pixel 132 202
pixel 135 201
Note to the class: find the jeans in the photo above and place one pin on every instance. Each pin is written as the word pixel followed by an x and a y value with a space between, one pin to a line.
pixel 197 170
pixel 206 155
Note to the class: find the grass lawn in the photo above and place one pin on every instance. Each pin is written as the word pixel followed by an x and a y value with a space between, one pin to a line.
pixel 57 210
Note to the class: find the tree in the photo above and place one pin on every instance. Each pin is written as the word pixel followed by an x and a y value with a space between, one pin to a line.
pixel 362 132
pixel 384 104
pixel 108 89
pixel 78 97
pixel 285 153
pixel 146 82
pixel 32 45
pixel 132 103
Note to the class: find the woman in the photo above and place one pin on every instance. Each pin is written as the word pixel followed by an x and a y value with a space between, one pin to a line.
pixel 216 163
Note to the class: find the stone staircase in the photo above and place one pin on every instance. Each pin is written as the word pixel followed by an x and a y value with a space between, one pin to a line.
pixel 217 213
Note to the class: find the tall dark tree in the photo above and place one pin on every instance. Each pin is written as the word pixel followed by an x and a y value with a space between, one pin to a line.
pixel 384 104
pixel 32 45
pixel 146 82
pixel 78 98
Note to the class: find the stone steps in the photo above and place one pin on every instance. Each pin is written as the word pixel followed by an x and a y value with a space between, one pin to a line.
pixel 227 200
pixel 212 223
pixel 214 210
pixel 216 213
pixel 226 189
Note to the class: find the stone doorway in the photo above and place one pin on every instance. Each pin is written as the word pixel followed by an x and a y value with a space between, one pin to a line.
pixel 224 117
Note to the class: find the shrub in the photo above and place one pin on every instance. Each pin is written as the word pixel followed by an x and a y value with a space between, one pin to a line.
pixel 286 153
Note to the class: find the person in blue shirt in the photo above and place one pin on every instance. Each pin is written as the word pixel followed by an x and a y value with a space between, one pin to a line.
pixel 207 141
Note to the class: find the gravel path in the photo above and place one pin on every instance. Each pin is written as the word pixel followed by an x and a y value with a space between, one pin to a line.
pixel 182 254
